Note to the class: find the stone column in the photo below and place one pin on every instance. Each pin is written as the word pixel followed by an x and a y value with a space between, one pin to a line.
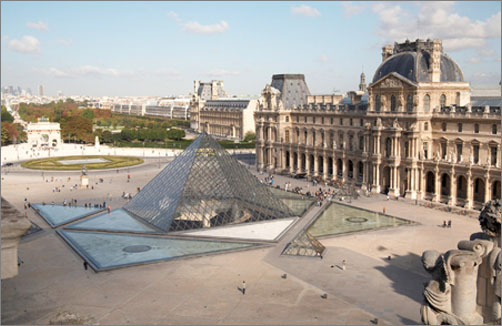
pixel 345 170
pixel 325 167
pixel 291 163
pixel 469 199
pixel 299 162
pixel 316 164
pixel 260 159
pixel 437 185
pixel 307 163
pixel 452 200
pixel 487 186
pixel 376 178
pixel 335 170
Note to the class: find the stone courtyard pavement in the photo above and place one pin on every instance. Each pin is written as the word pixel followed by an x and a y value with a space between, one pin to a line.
pixel 204 290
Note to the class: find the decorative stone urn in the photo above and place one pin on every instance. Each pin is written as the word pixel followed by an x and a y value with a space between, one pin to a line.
pixel 465 285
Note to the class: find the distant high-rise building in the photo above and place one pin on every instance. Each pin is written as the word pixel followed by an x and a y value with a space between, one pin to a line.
pixel 40 90
pixel 60 93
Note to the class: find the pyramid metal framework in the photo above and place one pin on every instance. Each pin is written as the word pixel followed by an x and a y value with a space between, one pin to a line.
pixel 205 187
pixel 304 244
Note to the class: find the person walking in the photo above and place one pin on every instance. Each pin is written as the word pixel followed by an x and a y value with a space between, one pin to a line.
pixel 243 287
pixel 109 209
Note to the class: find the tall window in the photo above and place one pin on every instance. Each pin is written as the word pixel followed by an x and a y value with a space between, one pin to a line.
pixel 287 136
pixel 341 121
pixel 493 154
pixel 476 128
pixel 388 147
pixel 393 103
pixel 298 135
pixel 443 150
pixel 407 149
pixel 494 129
pixel 475 154
pixel 340 140
pixel 426 150
pixel 297 118
pixel 459 152
pixel 361 143
pixel 322 120
pixel 306 137
pixel 378 103
pixel 287 119
pixel 443 126
pixel 351 141
pixel 331 120
pixel 427 103
pixel 459 127
pixel 361 123
pixel 313 119
pixel 409 103
pixel 313 138
pixel 305 119
pixel 426 126
pixel 442 100
pixel 350 122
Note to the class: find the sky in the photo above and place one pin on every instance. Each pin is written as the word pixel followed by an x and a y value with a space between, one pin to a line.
pixel 128 48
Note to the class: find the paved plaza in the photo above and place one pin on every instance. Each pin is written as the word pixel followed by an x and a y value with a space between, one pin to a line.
pixel 204 290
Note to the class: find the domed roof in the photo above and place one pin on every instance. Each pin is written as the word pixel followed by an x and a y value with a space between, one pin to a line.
pixel 415 67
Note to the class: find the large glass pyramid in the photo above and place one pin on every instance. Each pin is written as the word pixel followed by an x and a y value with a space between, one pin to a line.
pixel 205 187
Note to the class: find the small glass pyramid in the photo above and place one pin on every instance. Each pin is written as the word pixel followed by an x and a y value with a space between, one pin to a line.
pixel 205 187
pixel 304 244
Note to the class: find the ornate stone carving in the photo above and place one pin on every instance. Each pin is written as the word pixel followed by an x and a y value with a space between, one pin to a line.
pixel 391 82
pixel 465 285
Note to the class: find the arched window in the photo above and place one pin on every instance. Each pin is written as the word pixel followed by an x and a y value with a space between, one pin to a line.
pixel 442 100
pixel 426 126
pixel 388 147
pixel 378 103
pixel 393 103
pixel 494 129
pixel 427 103
pixel 409 103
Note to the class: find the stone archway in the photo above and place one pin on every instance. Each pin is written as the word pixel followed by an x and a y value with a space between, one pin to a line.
pixel 339 167
pixel 287 159
pixel 303 162
pixel 445 185
pixel 479 190
pixel 295 160
pixel 430 183
pixel 461 187
pixel 311 158
pixel 350 170
pixel 386 180
pixel 320 164
pixel 496 190
pixel 330 165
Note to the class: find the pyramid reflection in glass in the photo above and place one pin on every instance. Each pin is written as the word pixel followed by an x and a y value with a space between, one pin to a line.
pixel 205 187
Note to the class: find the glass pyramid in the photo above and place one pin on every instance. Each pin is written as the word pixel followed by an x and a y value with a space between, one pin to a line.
pixel 205 187
pixel 304 244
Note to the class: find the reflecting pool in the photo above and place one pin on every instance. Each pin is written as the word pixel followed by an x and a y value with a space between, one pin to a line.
pixel 57 215
pixel 106 251
pixel 339 218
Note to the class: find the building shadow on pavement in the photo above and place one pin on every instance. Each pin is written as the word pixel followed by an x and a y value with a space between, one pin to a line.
pixel 407 275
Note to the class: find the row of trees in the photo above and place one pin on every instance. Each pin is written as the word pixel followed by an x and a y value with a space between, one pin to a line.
pixel 11 132
pixel 150 135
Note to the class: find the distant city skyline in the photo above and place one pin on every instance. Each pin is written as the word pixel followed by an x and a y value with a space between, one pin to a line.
pixel 159 48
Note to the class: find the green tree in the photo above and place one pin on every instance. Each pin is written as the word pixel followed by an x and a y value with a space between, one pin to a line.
pixel 107 137
pixel 127 134
pixel 5 136
pixel 88 114
pixel 6 116
pixel 249 136
pixel 176 134
pixel 77 127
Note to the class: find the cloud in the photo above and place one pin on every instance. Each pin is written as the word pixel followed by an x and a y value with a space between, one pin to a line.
pixel 167 72
pixel 195 27
pixel 65 42
pixel 486 52
pixel 435 20
pixel 41 26
pixel 474 60
pixel 323 58
pixel 222 72
pixel 174 16
pixel 350 9
pixel 305 11
pixel 57 73
pixel 28 44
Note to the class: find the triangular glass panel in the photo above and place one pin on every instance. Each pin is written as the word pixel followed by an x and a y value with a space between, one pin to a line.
pixel 304 244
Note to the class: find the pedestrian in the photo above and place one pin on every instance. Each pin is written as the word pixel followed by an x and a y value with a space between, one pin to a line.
pixel 444 223
pixel 449 223
pixel 104 204
pixel 109 209
pixel 343 264
pixel 85 265
pixel 383 210
pixel 243 287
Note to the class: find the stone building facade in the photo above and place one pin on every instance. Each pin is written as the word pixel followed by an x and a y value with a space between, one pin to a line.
pixel 416 132
pixel 219 116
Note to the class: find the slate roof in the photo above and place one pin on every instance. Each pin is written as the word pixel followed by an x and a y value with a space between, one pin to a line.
pixel 293 89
